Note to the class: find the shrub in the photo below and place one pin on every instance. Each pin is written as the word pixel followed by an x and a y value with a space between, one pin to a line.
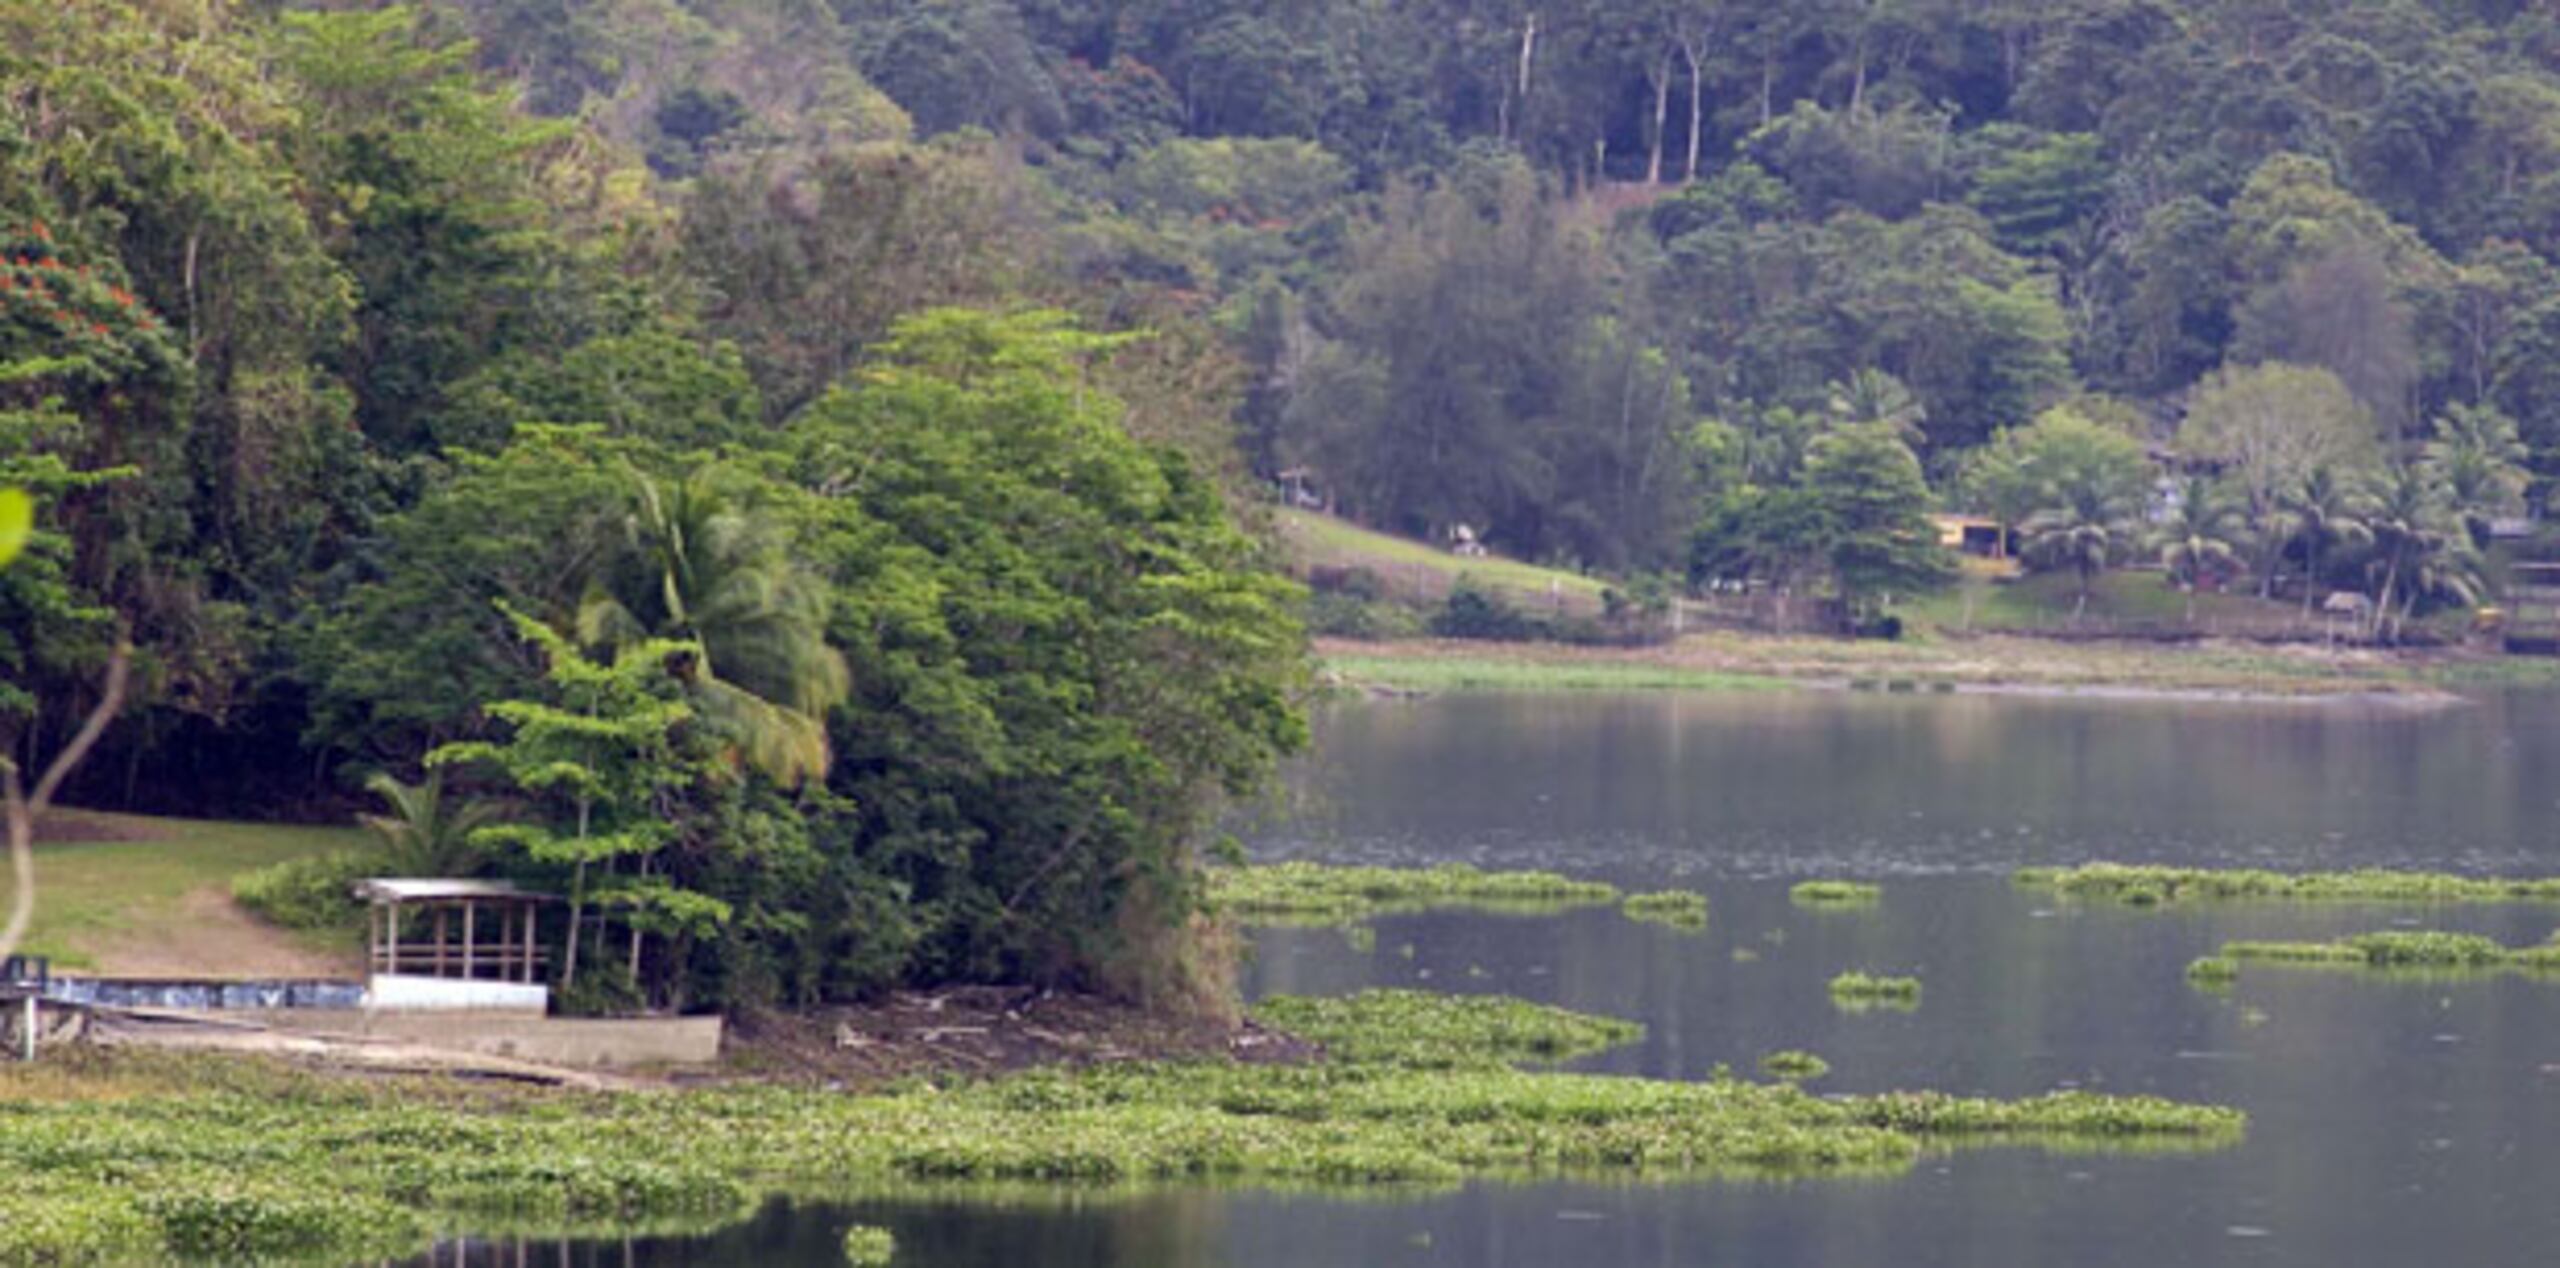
pixel 315 894
pixel 1477 613
pixel 1370 620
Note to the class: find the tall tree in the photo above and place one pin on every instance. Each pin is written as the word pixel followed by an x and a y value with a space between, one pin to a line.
pixel 2093 485
pixel 2270 427
pixel 2197 543
pixel 1874 506
pixel 2325 512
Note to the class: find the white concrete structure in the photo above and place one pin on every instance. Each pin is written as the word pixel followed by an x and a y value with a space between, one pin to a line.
pixel 402 992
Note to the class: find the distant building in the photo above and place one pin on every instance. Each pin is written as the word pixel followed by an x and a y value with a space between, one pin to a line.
pixel 1970 534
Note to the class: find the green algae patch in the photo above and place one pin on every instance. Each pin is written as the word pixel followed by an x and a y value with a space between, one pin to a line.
pixel 2405 951
pixel 2144 886
pixel 1678 909
pixel 145 1157
pixel 1857 991
pixel 1323 893
pixel 1792 1066
pixel 1835 895
pixel 866 1246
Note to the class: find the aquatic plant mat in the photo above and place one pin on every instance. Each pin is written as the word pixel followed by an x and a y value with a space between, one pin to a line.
pixel 121 1156
pixel 1835 895
pixel 1676 908
pixel 2401 951
pixel 1857 991
pixel 1322 893
pixel 2153 886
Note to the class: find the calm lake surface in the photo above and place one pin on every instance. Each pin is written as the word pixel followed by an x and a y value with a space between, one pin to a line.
pixel 2392 1121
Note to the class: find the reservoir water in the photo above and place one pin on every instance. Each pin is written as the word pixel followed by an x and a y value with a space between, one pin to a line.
pixel 2392 1120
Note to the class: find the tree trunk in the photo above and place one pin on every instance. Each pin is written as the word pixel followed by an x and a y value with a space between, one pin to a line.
pixel 577 906
pixel 1661 116
pixel 1697 107
pixel 2382 603
pixel 25 808
pixel 1858 77
pixel 2310 571
pixel 1528 56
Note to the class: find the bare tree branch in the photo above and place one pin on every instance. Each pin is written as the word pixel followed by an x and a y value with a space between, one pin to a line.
pixel 24 810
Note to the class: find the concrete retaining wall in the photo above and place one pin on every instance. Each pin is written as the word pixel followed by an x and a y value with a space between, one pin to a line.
pixel 602 1043
pixel 205 994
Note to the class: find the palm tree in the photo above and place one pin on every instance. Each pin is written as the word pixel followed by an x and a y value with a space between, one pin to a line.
pixel 422 836
pixel 2325 512
pixel 697 567
pixel 2420 547
pixel 2197 543
pixel 1873 396
pixel 2086 532
pixel 2478 456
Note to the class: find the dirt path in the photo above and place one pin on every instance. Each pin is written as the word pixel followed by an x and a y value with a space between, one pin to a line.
pixel 208 934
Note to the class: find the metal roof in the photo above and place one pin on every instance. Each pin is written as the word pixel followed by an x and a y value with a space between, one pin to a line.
pixel 409 890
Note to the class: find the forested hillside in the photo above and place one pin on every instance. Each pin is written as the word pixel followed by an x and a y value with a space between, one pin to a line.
pixel 894 378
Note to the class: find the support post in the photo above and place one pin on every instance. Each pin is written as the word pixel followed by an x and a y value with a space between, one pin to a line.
pixel 391 937
pixel 468 910
pixel 442 912
pixel 27 1031
pixel 530 921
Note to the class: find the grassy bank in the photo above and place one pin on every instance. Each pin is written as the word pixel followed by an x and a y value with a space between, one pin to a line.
pixel 136 1157
pixel 124 886
pixel 1413 567
pixel 1726 661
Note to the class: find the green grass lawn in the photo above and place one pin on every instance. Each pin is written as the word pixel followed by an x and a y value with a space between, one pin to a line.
pixel 1322 539
pixel 2045 601
pixel 1493 672
pixel 91 894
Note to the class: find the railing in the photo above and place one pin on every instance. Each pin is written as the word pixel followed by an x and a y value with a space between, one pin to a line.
pixel 32 973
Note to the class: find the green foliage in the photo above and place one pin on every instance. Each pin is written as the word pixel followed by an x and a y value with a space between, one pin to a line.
pixel 1298 892
pixel 1677 909
pixel 1873 505
pixel 2090 487
pixel 314 894
pixel 611 761
pixel 422 836
pixel 1069 656
pixel 693 564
